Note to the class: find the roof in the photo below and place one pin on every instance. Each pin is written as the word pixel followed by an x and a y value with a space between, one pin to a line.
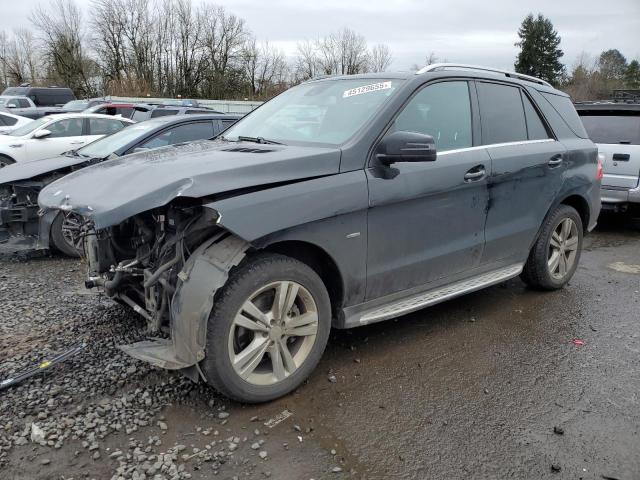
pixel 57 116
pixel 452 70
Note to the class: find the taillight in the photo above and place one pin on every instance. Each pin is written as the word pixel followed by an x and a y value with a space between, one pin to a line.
pixel 599 167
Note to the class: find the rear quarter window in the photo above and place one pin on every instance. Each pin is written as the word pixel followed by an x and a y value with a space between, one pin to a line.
pixel 612 127
pixel 567 111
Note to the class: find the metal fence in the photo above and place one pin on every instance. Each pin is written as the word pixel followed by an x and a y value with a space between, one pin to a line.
pixel 237 107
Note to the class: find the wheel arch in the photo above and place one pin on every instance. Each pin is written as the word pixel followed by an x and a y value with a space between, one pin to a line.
pixel 319 260
pixel 7 157
pixel 580 204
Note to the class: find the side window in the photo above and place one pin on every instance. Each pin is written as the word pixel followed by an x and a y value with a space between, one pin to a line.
pixel 124 111
pixel 442 110
pixel 562 104
pixel 162 112
pixel 103 126
pixel 501 113
pixel 24 103
pixel 8 121
pixel 70 127
pixel 535 125
pixel 182 133
pixel 13 103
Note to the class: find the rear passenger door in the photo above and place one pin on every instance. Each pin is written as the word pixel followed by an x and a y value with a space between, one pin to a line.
pixel 527 165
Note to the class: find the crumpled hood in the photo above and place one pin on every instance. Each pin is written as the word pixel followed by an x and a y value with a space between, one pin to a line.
pixel 33 168
pixel 115 190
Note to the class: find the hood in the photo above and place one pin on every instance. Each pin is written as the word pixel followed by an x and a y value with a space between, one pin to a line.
pixel 34 168
pixel 115 190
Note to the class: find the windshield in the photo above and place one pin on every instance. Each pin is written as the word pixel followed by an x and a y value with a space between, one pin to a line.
pixel 329 111
pixel 106 146
pixel 29 127
pixel 76 104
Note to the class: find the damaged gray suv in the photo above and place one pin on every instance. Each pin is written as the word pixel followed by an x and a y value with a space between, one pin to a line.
pixel 342 202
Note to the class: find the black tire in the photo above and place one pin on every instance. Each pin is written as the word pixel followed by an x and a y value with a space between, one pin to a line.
pixel 536 272
pixel 58 240
pixel 254 274
pixel 6 160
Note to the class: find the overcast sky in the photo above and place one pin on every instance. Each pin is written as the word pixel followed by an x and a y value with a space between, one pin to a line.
pixel 467 31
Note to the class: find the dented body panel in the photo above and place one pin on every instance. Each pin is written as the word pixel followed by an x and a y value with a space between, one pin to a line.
pixel 147 180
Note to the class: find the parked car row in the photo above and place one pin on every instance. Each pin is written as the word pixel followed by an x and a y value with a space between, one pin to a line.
pixel 20 183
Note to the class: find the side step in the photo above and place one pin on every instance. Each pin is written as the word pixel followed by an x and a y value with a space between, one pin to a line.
pixel 431 297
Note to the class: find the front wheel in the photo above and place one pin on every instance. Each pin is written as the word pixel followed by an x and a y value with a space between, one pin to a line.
pixel 6 160
pixel 66 234
pixel 267 330
pixel 554 257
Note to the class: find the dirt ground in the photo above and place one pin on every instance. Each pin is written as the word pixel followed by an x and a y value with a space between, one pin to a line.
pixel 471 388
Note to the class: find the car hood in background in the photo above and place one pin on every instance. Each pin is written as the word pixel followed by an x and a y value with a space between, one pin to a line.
pixel 34 168
pixel 114 190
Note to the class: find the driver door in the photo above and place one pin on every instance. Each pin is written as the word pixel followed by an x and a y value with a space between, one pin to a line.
pixel 426 219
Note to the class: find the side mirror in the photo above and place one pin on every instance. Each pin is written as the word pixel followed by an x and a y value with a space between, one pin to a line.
pixel 140 149
pixel 42 133
pixel 406 147
pixel 12 105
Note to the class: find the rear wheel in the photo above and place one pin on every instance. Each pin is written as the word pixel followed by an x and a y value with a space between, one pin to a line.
pixel 66 234
pixel 268 329
pixel 555 255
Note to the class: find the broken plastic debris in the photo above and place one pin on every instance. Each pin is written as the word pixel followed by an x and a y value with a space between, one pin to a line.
pixel 577 341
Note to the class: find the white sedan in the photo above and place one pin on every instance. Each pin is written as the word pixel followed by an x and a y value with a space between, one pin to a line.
pixel 55 134
pixel 9 121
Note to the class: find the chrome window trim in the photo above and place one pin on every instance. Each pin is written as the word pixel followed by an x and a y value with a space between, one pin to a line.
pixel 496 145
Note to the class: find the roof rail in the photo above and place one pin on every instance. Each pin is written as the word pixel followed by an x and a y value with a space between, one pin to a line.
pixel 442 66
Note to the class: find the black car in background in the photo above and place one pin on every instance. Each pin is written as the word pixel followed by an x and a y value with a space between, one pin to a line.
pixel 20 225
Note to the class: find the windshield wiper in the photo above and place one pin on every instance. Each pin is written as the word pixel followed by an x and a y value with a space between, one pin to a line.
pixel 258 140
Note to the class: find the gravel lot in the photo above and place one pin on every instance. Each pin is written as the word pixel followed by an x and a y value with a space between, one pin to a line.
pixel 473 388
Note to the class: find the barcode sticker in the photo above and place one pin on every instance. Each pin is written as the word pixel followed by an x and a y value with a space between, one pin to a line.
pixel 374 87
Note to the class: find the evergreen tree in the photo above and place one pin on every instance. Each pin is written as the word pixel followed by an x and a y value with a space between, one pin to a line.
pixel 612 64
pixel 539 49
pixel 632 75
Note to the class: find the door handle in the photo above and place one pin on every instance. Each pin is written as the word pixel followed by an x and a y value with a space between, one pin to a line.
pixel 621 157
pixel 475 174
pixel 77 143
pixel 555 160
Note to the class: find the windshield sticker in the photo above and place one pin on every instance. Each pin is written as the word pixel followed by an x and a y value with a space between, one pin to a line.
pixel 374 87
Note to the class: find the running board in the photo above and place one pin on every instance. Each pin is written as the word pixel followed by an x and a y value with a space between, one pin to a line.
pixel 431 297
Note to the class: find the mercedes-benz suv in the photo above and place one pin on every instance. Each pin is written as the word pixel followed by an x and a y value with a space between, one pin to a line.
pixel 341 202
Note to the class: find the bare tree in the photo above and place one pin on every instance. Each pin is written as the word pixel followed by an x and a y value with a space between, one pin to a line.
pixel 61 35
pixel 306 66
pixel 380 58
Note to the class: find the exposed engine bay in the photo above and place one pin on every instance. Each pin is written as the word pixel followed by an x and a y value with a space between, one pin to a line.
pixel 156 262
pixel 138 260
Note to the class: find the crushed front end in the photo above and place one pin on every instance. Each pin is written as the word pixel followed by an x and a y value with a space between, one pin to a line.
pixel 19 220
pixel 166 264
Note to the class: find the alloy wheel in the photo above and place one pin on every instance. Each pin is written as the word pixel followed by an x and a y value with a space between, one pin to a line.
pixel 72 230
pixel 273 333
pixel 563 248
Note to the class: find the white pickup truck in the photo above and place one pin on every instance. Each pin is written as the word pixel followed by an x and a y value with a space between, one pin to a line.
pixel 615 128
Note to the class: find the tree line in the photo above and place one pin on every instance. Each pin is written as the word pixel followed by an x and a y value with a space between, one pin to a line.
pixel 589 78
pixel 171 48
pixel 168 48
